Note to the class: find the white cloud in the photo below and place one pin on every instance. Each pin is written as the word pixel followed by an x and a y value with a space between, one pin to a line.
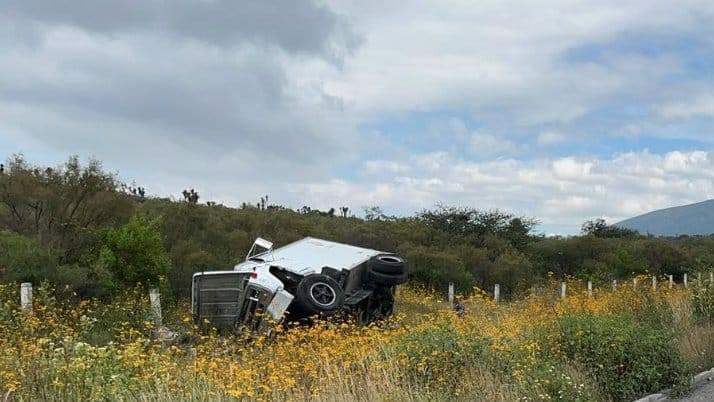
pixel 571 169
pixel 484 144
pixel 497 58
pixel 551 137
pixel 699 106
pixel 563 191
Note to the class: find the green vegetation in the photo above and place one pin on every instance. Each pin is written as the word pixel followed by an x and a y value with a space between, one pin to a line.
pixel 79 227
pixel 88 235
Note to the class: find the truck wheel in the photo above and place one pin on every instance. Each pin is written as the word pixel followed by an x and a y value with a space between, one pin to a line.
pixel 381 279
pixel 317 293
pixel 388 264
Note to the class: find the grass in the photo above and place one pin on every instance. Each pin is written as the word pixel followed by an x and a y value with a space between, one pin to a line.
pixel 616 345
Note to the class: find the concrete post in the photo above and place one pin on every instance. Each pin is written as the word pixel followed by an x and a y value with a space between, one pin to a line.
pixel 496 293
pixel 634 282
pixel 563 289
pixel 590 288
pixel 654 283
pixel 686 284
pixel 26 296
pixel 671 281
pixel 155 299
pixel 614 284
pixel 451 294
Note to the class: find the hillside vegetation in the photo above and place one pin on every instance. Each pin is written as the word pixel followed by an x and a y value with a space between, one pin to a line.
pixel 81 229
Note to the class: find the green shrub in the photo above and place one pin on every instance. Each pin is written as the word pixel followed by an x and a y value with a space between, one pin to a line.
pixel 436 268
pixel 703 303
pixel 23 259
pixel 134 253
pixel 628 358
pixel 435 356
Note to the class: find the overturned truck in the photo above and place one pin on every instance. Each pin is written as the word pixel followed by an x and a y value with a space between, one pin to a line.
pixel 302 279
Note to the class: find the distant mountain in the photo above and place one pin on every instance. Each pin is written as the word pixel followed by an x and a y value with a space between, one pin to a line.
pixel 694 219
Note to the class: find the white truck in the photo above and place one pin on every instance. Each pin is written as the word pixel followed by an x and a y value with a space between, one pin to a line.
pixel 302 279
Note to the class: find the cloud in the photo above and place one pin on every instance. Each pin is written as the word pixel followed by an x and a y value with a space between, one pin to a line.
pixel 547 138
pixel 180 93
pixel 562 191
pixel 699 106
pixel 299 27
pixel 489 59
pixel 484 144
pixel 571 169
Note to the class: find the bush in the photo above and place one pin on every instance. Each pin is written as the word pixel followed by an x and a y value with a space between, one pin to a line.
pixel 436 268
pixel 23 259
pixel 437 355
pixel 703 303
pixel 134 253
pixel 628 358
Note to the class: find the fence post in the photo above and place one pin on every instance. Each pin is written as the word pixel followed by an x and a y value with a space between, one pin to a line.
pixel 685 281
pixel 614 284
pixel 451 294
pixel 654 283
pixel 496 292
pixel 155 299
pixel 699 279
pixel 563 289
pixel 634 282
pixel 26 296
pixel 671 281
pixel 590 288
pixel 711 278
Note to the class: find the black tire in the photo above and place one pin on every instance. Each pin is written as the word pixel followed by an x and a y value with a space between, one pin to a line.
pixel 317 294
pixel 388 264
pixel 381 279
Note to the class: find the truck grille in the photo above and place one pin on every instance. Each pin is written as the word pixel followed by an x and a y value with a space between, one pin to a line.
pixel 218 298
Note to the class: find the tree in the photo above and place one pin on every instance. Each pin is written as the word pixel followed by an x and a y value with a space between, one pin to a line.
pixel 599 228
pixel 191 196
pixel 476 225
pixel 63 206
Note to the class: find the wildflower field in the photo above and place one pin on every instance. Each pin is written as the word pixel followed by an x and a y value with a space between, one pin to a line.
pixel 615 345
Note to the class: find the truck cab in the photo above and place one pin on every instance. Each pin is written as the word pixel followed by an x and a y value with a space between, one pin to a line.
pixel 302 279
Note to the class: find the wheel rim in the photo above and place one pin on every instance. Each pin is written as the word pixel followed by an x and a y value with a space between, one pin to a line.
pixel 323 294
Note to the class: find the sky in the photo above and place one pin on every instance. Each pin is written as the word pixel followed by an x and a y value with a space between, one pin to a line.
pixel 559 110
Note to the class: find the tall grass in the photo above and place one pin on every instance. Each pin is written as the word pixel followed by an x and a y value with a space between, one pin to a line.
pixel 616 345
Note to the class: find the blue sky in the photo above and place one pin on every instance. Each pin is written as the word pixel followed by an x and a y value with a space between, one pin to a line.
pixel 560 110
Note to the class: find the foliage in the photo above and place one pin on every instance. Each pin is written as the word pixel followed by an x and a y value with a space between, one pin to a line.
pixel 611 346
pixel 61 206
pixel 600 228
pixel 629 358
pixel 23 260
pixel 134 253
pixel 703 302
pixel 474 225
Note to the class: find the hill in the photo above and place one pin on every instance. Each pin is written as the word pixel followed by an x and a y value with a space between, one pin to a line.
pixel 694 219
